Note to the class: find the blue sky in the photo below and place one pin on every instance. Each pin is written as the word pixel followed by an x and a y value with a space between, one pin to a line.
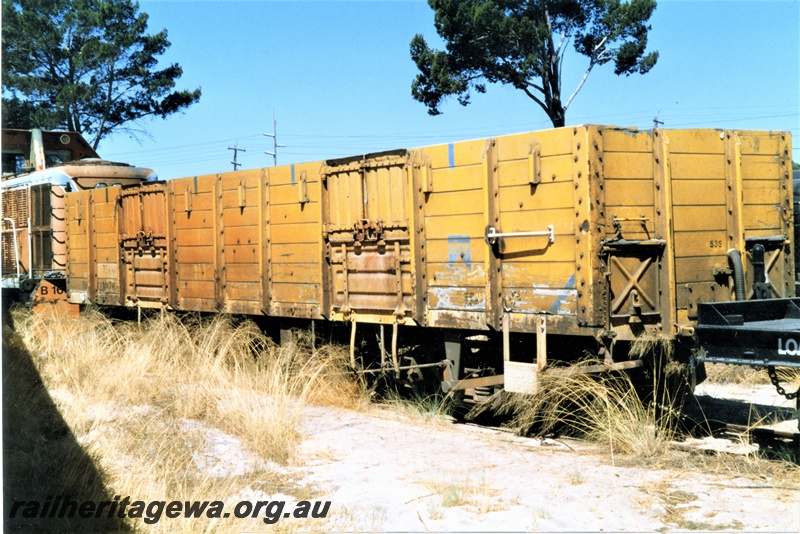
pixel 338 74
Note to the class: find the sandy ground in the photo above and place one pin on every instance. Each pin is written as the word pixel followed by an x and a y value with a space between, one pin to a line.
pixel 383 473
pixel 384 470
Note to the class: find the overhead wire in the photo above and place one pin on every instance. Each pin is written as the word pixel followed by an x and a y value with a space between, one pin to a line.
pixel 337 145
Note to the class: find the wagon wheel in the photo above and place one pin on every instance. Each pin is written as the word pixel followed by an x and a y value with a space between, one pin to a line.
pixel 27 285
pixel 664 382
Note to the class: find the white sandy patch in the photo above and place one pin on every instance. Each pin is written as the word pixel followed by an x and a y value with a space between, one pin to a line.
pixel 387 472
pixel 383 474
pixel 764 394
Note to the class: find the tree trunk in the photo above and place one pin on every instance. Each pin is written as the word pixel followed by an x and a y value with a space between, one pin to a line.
pixel 556 111
pixel 557 116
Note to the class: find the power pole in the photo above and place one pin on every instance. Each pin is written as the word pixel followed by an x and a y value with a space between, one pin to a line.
pixel 236 151
pixel 275 145
pixel 656 122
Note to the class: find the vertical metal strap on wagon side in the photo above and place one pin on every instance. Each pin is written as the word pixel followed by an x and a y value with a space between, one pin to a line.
pixel 664 231
pixel 492 266
pixel 265 255
pixel 219 245
pixel 170 251
pixel 420 179
pixel 733 179
pixel 91 243
pixel 588 202
pixel 788 214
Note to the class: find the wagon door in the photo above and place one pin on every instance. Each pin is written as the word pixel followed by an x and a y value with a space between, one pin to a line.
pixel 367 237
pixel 143 241
pixel 639 227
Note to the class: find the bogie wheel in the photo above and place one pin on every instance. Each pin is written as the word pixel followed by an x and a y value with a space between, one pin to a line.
pixel 28 284
pixel 664 384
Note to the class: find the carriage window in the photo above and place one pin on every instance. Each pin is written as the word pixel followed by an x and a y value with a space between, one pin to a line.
pixel 54 157
pixel 13 163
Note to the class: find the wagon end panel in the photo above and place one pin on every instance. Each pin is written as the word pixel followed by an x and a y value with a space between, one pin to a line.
pixel 144 226
pixel 79 258
pixel 106 251
pixel 293 251
pixel 706 217
pixel 765 165
pixel 637 247
pixel 731 194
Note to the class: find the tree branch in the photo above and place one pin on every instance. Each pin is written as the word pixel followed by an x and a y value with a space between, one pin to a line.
pixel 537 87
pixel 561 42
pixel 107 107
pixel 580 85
pixel 535 99
pixel 596 57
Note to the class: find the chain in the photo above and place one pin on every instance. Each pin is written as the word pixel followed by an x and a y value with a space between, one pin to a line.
pixel 773 376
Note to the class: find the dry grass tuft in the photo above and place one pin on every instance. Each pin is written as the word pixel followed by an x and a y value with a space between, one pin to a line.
pixel 460 490
pixel 433 409
pixel 721 373
pixel 186 408
pixel 649 344
pixel 743 375
pixel 226 373
pixel 606 409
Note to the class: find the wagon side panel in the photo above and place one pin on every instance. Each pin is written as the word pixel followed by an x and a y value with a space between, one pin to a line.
pixel 295 279
pixel 195 242
pixel 538 189
pixel 453 220
pixel 239 219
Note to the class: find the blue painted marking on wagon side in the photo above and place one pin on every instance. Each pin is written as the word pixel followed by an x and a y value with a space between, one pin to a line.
pixel 560 300
pixel 451 156
pixel 293 174
pixel 458 249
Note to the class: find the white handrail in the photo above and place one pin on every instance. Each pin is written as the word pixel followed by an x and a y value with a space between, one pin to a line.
pixel 492 234
pixel 30 249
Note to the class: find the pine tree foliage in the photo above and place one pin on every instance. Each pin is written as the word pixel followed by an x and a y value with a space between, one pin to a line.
pixel 523 43
pixel 85 65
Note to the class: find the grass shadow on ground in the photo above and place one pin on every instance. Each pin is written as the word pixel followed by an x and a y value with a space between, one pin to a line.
pixel 41 457
pixel 710 416
pixel 716 412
